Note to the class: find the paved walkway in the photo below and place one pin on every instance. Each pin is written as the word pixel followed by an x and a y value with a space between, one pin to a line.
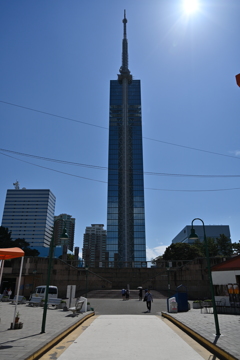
pixel 135 337
pixel 20 344
pixel 204 325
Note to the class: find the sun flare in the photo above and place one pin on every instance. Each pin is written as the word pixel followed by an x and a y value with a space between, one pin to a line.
pixel 190 6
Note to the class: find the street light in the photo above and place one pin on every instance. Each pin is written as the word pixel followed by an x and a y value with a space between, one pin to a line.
pixel 64 236
pixel 194 236
pixel 86 268
pixel 51 248
pixel 64 242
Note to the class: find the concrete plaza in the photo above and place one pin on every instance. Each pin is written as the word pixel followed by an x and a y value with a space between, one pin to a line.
pixel 128 319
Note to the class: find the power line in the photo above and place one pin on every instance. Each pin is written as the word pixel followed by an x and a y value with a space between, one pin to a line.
pixel 97 167
pixel 105 128
pixel 61 172
pixel 105 182
pixel 192 148
pixel 54 115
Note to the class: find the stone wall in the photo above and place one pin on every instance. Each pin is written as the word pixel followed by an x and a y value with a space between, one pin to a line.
pixel 193 275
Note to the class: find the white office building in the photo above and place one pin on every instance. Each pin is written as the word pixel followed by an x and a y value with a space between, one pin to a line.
pixel 29 215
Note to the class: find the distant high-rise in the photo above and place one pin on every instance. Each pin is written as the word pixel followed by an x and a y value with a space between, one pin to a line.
pixel 29 215
pixel 64 221
pixel 212 231
pixel 94 245
pixel 126 245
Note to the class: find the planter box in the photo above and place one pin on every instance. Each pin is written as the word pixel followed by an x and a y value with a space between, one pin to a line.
pixel 62 305
pixel 5 299
pixel 197 305
pixel 16 326
pixel 207 303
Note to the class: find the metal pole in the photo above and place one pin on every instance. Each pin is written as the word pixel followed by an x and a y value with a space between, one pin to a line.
pixel 210 279
pixel 86 283
pixel 47 285
pixel 18 287
pixel 168 269
pixel 1 272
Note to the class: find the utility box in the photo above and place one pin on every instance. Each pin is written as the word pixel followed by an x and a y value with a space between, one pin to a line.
pixel 182 298
pixel 71 291
pixel 172 305
pixel 84 308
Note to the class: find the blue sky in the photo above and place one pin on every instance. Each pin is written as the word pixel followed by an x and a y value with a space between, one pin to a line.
pixel 59 56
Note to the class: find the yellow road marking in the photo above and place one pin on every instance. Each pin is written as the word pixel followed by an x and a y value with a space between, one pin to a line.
pixel 57 350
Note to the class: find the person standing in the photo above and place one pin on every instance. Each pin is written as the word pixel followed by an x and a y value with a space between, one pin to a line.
pixel 123 293
pixel 9 292
pixel 149 300
pixel 5 292
pixel 140 294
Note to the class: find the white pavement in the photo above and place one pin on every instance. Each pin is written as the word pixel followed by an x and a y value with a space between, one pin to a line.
pixel 135 336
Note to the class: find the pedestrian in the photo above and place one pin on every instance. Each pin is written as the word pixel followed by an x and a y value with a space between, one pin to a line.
pixel 123 293
pixel 5 292
pixel 149 299
pixel 9 292
pixel 140 294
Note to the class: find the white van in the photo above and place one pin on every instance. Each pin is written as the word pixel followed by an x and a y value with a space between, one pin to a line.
pixel 41 291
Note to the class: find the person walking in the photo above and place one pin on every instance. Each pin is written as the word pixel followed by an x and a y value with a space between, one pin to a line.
pixel 123 293
pixel 149 300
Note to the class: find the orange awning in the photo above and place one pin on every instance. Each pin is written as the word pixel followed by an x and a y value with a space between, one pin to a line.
pixel 11 253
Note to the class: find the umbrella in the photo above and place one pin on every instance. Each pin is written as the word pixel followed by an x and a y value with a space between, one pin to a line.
pixel 139 287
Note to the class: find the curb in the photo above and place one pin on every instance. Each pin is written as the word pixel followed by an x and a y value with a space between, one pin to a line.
pixel 216 350
pixel 40 352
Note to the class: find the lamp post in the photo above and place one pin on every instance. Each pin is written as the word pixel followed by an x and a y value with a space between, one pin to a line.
pixel 194 236
pixel 86 268
pixel 47 284
pixel 64 242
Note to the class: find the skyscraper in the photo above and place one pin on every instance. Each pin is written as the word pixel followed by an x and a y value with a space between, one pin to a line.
pixel 126 245
pixel 94 245
pixel 64 221
pixel 29 215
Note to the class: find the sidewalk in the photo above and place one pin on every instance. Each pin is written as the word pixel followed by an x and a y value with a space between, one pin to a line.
pixel 22 343
pixel 204 325
pixel 133 336
pixel 129 327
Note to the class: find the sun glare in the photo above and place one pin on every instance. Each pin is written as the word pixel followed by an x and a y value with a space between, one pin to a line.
pixel 190 6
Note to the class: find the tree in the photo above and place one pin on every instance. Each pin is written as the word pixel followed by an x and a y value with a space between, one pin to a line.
pixel 181 251
pixel 236 247
pixel 212 247
pixel 5 237
pixel 224 245
pixel 7 242
pixel 24 245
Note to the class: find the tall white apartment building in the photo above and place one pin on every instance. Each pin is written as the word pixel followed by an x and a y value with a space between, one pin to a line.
pixel 94 245
pixel 29 215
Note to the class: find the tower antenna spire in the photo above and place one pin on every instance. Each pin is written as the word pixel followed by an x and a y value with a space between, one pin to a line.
pixel 124 71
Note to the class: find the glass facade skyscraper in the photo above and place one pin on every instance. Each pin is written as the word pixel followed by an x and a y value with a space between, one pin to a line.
pixel 126 245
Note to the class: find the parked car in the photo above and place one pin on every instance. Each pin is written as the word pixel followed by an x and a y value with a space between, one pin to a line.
pixel 41 291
